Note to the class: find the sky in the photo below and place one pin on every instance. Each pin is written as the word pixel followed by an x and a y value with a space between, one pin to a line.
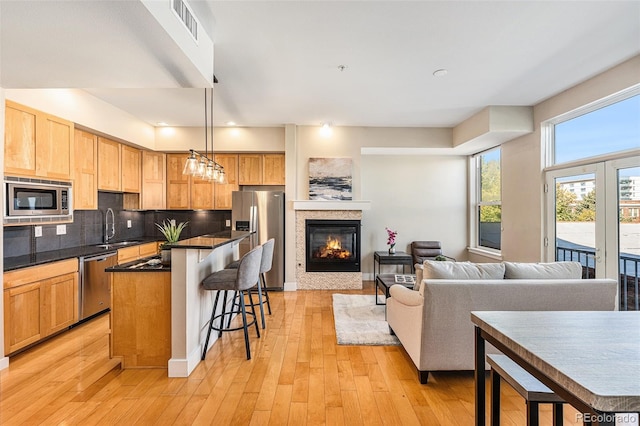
pixel 609 129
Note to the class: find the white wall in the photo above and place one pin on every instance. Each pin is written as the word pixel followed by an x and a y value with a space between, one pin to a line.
pixel 229 139
pixel 420 197
pixel 522 164
pixel 4 361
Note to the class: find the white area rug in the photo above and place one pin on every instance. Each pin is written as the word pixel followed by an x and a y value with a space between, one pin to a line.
pixel 359 321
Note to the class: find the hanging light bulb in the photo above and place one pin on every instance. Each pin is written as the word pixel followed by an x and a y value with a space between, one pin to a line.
pixel 191 165
pixel 222 177
pixel 210 171
pixel 202 168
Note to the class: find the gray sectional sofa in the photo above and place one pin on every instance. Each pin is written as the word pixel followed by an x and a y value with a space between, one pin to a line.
pixel 433 321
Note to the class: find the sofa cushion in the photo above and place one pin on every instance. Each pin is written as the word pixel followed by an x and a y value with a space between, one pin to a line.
pixel 445 270
pixel 544 271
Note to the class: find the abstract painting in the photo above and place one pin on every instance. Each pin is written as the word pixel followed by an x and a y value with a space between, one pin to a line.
pixel 330 179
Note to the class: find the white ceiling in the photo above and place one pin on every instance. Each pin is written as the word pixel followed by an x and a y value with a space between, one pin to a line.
pixel 278 62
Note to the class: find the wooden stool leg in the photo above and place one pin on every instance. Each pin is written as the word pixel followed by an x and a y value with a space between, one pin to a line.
pixel 495 398
pixel 532 414
pixel 557 414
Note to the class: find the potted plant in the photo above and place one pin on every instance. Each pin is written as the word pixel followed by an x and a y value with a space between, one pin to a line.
pixel 171 232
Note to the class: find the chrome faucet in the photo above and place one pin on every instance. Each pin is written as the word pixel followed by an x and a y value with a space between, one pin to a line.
pixel 107 237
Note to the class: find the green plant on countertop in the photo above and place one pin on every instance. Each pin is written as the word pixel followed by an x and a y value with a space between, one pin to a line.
pixel 171 231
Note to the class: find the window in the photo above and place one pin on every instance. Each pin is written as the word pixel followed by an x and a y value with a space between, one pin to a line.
pixel 597 147
pixel 488 207
pixel 608 127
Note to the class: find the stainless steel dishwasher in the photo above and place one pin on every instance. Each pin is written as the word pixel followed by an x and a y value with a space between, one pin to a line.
pixel 95 287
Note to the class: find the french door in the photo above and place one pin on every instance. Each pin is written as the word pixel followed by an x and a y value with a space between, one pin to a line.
pixel 593 217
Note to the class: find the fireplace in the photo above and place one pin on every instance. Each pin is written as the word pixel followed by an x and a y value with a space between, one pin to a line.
pixel 332 245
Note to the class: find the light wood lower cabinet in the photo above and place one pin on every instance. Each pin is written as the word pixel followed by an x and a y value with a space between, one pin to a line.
pixel 129 254
pixel 39 301
pixel 141 318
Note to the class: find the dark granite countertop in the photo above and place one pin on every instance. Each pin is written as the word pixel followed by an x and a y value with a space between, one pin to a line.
pixel 148 264
pixel 18 262
pixel 210 241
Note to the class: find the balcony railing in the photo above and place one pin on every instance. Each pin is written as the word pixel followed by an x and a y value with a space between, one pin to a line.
pixel 628 279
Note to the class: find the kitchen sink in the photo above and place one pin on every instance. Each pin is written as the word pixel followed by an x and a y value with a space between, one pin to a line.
pixel 118 244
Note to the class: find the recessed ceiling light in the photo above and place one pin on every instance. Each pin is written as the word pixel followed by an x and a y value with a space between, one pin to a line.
pixel 231 123
pixel 325 129
pixel 161 123
pixel 440 73
pixel 342 68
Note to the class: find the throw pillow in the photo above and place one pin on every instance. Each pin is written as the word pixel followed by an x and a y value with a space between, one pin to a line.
pixel 462 270
pixel 544 271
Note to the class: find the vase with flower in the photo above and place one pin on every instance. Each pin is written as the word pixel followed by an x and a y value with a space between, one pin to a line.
pixel 391 240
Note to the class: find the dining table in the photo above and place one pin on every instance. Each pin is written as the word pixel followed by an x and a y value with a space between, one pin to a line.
pixel 591 359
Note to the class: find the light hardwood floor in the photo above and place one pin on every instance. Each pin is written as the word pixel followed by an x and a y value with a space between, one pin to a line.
pixel 298 375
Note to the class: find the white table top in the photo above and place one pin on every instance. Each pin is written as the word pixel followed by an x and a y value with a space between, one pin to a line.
pixel 593 355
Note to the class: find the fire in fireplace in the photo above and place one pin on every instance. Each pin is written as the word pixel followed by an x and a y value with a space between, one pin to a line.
pixel 332 245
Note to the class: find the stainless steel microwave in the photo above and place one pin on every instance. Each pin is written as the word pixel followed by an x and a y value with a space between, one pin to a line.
pixel 31 201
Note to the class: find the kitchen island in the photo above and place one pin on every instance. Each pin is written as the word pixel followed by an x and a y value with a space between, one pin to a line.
pixel 174 293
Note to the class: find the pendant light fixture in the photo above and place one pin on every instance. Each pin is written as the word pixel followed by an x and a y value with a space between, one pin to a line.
pixel 202 166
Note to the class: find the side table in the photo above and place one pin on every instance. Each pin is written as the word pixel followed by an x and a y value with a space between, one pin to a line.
pixel 397 258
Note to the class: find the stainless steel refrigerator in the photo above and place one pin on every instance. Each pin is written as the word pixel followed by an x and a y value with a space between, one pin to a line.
pixel 263 213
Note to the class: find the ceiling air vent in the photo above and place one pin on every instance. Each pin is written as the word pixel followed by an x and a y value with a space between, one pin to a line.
pixel 186 16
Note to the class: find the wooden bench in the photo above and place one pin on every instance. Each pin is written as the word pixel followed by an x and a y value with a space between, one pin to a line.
pixel 526 385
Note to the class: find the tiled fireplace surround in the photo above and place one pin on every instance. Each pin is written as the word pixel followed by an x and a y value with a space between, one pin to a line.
pixel 340 210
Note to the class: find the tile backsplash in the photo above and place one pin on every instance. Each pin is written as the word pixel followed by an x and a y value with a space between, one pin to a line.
pixel 88 227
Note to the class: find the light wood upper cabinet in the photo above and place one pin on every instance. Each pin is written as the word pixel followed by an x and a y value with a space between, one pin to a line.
pixel 19 140
pixel 37 144
pixel 250 169
pixel 154 167
pixel 131 160
pixel 54 147
pixel 85 176
pixel 201 194
pixel 178 185
pixel 223 191
pixel 273 167
pixel 109 166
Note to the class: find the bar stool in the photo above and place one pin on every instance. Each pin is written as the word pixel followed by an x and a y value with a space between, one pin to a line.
pixel 239 281
pixel 265 266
